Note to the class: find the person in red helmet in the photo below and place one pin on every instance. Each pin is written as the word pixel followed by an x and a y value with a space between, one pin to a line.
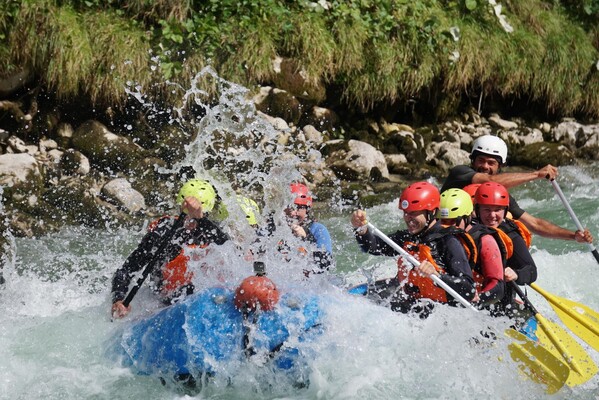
pixel 491 204
pixel 441 251
pixel 304 226
pixel 471 190
pixel 489 154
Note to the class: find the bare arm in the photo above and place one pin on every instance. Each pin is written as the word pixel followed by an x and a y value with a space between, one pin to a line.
pixel 547 229
pixel 511 179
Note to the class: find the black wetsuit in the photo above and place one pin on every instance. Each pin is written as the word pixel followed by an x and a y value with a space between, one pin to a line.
pixel 461 176
pixel 447 252
pixel 206 232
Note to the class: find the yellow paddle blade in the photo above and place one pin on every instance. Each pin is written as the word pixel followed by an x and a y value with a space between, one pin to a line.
pixel 580 319
pixel 537 363
pixel 555 339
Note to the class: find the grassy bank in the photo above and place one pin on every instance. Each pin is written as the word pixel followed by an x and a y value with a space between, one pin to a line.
pixel 435 55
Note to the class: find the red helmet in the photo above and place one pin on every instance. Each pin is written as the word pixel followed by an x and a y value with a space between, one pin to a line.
pixel 302 194
pixel 492 194
pixel 420 196
pixel 256 291
pixel 471 190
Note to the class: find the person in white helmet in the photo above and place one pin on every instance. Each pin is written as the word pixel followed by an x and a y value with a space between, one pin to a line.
pixel 489 154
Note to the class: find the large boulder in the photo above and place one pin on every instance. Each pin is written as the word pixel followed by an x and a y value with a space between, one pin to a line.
pixel 22 178
pixel 538 155
pixel 355 160
pixel 119 192
pixel 446 155
pixel 18 168
pixel 290 77
pixel 106 149
pixel 279 103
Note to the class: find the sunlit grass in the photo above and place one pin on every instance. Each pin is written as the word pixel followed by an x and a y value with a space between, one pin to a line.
pixel 379 51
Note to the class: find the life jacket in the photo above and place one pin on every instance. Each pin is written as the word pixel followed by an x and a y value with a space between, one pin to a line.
pixel 506 248
pixel 419 286
pixel 174 274
pixel 465 239
pixel 513 225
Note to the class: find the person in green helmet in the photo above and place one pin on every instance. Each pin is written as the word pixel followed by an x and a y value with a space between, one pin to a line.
pixel 487 258
pixel 171 278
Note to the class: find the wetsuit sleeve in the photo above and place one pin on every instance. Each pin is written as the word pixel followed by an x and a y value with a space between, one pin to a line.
pixel 492 269
pixel 458 272
pixel 370 243
pixel 458 177
pixel 515 209
pixel 136 261
pixel 521 261
pixel 209 232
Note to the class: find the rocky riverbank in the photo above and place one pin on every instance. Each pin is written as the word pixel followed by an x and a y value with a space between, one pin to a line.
pixel 90 175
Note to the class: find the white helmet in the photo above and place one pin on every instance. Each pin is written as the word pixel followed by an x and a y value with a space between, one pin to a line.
pixel 490 145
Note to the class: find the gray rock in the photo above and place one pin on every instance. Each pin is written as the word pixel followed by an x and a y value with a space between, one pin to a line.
pixel 16 168
pixel 120 192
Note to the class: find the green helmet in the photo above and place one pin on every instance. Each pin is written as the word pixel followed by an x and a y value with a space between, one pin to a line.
pixel 201 190
pixel 454 203
pixel 250 208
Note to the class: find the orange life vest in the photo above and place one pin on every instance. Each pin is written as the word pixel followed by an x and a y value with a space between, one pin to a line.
pixel 425 285
pixel 175 273
pixel 524 232
pixel 426 288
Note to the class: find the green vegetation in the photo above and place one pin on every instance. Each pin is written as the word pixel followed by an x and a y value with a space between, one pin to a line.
pixel 435 52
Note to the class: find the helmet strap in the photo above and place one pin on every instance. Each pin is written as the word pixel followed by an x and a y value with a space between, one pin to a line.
pixel 430 216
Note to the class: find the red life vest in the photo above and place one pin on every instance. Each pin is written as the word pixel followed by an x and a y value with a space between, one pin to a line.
pixel 174 274
pixel 506 248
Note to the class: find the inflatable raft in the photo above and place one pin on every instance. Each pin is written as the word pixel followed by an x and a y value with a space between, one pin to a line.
pixel 198 336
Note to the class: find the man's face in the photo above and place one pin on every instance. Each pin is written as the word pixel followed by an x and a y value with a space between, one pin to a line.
pixel 415 221
pixel 491 215
pixel 296 213
pixel 486 164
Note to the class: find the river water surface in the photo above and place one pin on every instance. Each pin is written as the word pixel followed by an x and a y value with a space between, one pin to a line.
pixel 55 324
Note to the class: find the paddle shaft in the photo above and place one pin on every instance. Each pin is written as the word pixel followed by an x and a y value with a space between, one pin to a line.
pixel 579 226
pixel 415 263
pixel 150 266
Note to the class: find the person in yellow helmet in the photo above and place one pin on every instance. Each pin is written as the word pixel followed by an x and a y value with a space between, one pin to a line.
pixel 170 277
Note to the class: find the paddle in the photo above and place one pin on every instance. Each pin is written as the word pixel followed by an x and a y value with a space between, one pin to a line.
pixel 539 364
pixel 155 258
pixel 582 320
pixel 562 345
pixel 579 226
pixel 415 263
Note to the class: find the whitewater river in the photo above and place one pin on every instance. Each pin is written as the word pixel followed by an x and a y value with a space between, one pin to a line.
pixel 56 331
pixel 55 324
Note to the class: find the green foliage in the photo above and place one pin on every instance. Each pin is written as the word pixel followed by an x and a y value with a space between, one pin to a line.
pixel 588 9
pixel 9 9
pixel 371 50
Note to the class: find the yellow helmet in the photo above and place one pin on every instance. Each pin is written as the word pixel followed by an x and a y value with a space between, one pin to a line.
pixel 454 203
pixel 201 190
pixel 250 208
